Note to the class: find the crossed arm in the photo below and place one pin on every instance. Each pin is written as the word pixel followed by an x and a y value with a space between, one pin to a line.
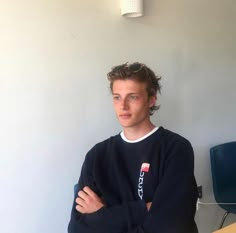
pixel 90 211
pixel 89 202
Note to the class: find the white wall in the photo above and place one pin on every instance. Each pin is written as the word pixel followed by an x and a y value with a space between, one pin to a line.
pixel 55 103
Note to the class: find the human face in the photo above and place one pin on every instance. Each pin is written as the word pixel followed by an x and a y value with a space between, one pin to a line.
pixel 131 103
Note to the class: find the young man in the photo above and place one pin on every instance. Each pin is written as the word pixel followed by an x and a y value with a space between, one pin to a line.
pixel 141 180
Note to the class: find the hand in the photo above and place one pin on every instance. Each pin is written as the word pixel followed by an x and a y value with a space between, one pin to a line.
pixel 88 201
pixel 148 205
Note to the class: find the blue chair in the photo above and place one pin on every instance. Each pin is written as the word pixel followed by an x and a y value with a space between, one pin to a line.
pixel 223 168
pixel 76 189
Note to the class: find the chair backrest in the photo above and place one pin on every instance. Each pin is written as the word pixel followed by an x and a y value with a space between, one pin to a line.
pixel 76 187
pixel 223 166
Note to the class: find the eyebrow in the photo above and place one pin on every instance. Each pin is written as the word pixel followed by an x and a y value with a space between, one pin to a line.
pixel 132 93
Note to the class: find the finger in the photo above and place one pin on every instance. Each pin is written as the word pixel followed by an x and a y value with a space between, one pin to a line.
pixel 91 193
pixel 80 209
pixel 86 198
pixel 83 195
pixel 80 202
pixel 149 204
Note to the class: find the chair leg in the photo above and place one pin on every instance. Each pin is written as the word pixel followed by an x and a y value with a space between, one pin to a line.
pixel 223 219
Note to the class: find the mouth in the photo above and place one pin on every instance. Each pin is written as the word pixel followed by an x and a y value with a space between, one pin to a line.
pixel 124 116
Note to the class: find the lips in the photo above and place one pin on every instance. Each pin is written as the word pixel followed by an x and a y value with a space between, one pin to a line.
pixel 125 116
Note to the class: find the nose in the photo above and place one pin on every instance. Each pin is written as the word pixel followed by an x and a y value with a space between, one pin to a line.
pixel 124 104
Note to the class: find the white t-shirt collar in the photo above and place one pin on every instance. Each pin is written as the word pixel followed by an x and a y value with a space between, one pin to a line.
pixel 139 139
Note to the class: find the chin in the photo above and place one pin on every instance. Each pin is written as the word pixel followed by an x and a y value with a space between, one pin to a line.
pixel 126 125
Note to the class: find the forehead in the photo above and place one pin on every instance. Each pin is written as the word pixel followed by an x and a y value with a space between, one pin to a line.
pixel 128 86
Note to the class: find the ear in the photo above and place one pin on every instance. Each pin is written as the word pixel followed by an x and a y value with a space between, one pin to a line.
pixel 152 100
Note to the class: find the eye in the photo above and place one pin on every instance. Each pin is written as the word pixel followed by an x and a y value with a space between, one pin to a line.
pixel 133 97
pixel 116 97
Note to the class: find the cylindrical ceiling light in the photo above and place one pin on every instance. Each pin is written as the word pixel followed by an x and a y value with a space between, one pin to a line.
pixel 132 8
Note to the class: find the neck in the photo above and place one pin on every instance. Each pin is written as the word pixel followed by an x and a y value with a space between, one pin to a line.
pixel 134 133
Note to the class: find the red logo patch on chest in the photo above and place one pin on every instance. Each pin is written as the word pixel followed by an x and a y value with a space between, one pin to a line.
pixel 145 167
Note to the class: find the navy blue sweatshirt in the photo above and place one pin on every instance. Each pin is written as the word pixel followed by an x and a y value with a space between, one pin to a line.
pixel 157 169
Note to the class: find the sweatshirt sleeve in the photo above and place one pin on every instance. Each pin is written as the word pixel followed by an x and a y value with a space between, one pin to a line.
pixel 174 203
pixel 113 219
